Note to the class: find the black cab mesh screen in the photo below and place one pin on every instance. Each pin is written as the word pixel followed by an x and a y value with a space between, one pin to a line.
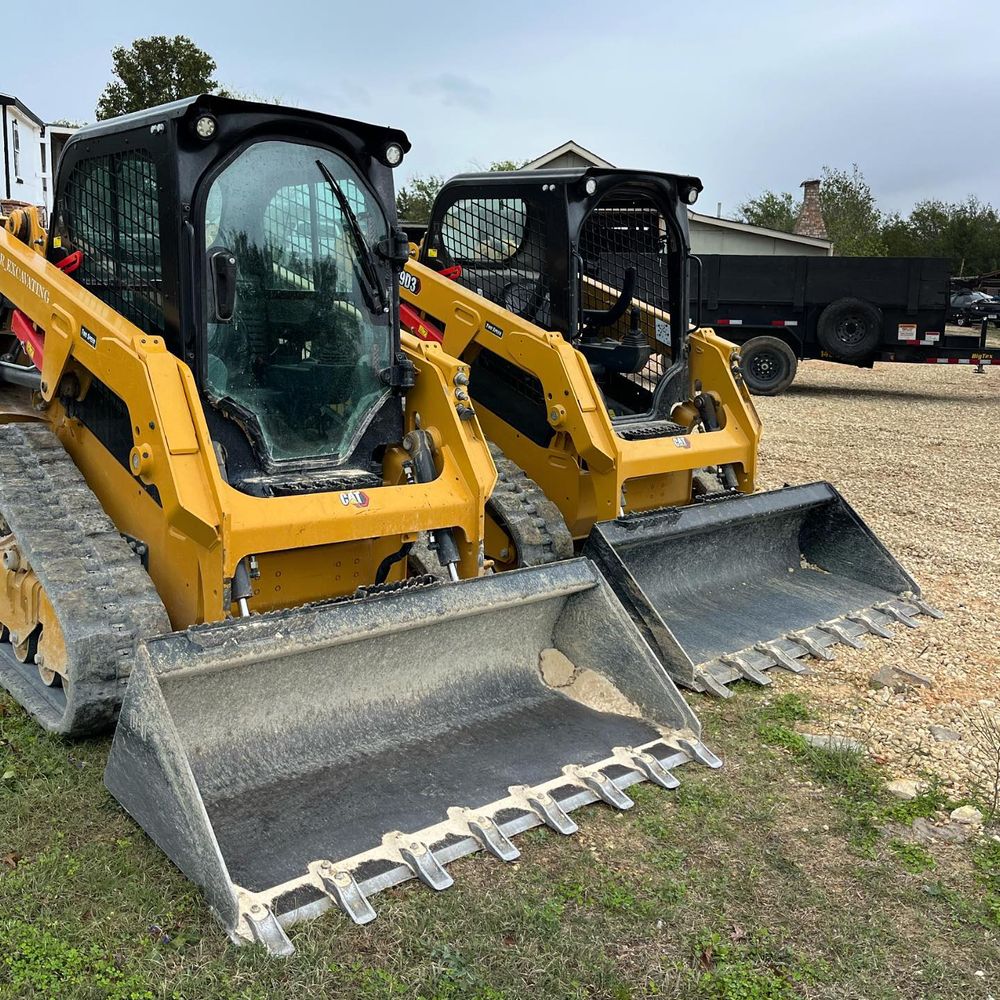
pixel 614 239
pixel 500 244
pixel 110 211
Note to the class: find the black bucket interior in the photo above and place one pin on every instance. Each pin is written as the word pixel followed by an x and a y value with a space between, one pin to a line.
pixel 275 742
pixel 726 575
pixel 269 835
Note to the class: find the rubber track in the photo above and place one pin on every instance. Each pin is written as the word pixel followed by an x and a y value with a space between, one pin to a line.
pixel 102 596
pixel 656 429
pixel 533 522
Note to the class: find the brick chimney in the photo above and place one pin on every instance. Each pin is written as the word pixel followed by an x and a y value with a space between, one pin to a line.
pixel 810 218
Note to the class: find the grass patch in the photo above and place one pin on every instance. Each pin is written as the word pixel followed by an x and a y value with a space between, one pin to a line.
pixel 858 783
pixel 738 885
pixel 986 861
pixel 928 802
pixel 749 966
pixel 40 963
pixel 912 857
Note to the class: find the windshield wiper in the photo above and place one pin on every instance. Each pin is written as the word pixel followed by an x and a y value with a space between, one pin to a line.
pixel 373 288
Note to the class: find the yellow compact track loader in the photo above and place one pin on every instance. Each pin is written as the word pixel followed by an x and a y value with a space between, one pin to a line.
pixel 216 455
pixel 558 288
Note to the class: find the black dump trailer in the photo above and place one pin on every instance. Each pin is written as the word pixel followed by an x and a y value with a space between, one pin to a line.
pixel 855 310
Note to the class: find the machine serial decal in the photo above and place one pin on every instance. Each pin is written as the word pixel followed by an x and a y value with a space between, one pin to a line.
pixel 356 498
pixel 493 328
pixel 409 282
pixel 88 337
pixel 682 442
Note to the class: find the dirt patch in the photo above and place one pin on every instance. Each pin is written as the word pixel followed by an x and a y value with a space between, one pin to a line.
pixel 585 686
pixel 916 450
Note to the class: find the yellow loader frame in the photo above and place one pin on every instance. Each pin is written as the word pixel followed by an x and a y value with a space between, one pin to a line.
pixel 311 547
pixel 587 470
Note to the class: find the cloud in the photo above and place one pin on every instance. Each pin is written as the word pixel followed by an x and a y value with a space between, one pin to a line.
pixel 457 92
pixel 337 97
pixel 792 86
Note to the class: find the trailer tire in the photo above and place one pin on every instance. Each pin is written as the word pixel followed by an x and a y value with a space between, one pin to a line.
pixel 768 365
pixel 849 328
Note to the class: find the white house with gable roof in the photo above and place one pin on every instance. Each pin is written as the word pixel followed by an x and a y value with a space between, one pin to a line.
pixel 711 234
pixel 30 152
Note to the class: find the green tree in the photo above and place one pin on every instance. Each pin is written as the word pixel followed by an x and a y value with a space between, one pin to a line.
pixel 416 198
pixel 966 233
pixel 898 237
pixel 972 239
pixel 770 210
pixel 927 228
pixel 852 217
pixel 507 164
pixel 250 95
pixel 153 71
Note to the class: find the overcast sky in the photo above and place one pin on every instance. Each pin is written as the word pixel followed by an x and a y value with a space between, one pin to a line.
pixel 745 95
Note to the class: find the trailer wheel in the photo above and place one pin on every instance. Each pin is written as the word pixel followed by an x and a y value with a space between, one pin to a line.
pixel 768 365
pixel 850 328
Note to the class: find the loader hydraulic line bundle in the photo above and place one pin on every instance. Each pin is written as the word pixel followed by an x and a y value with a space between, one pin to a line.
pixel 558 288
pixel 219 458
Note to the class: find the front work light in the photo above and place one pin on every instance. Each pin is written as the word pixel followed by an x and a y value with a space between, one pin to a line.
pixel 393 154
pixel 205 126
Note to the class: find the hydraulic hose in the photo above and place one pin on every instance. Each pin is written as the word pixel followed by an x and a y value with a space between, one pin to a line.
pixel 420 448
pixel 390 560
pixel 710 419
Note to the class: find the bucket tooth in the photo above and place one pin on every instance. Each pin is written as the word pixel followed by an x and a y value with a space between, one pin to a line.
pixel 697 751
pixel 890 609
pixel 927 609
pixel 808 643
pixel 487 833
pixel 266 930
pixel 342 888
pixel 841 635
pixel 864 618
pixel 363 771
pixel 780 657
pixel 745 669
pixel 420 859
pixel 547 809
pixel 601 785
pixel 648 765
pixel 711 685
pixel 707 583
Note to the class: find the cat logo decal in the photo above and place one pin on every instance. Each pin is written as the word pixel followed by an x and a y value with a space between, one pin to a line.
pixel 355 498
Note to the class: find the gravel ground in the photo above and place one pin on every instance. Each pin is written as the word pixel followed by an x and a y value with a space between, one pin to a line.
pixel 916 450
